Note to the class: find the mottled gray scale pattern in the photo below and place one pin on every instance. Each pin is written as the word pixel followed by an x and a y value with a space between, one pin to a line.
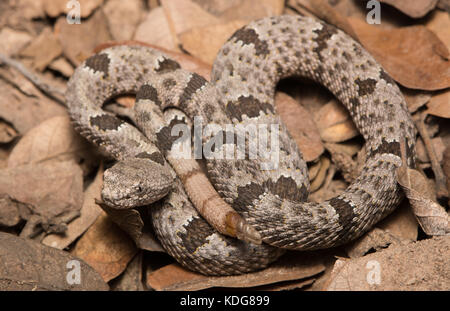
pixel 241 91
pixel 167 65
pixel 148 92
pixel 354 77
pixel 106 122
pixel 249 36
pixel 195 233
pixel 99 62
pixel 155 157
pixel 247 105
pixel 169 83
pixel 165 137
pixel 366 87
pixel 195 83
pixel 344 210
pixel 387 148
pixel 324 34
pixel 386 77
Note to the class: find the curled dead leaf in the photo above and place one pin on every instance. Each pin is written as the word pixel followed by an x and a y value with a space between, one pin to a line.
pixel 415 9
pixel 289 267
pixel 27 265
pixel 300 125
pixel 413 56
pixel 105 248
pixel 334 123
pixel 155 30
pixel 78 42
pixel 88 214
pixel 53 139
pixel 50 194
pixel 7 133
pixel 431 216
pixel 439 105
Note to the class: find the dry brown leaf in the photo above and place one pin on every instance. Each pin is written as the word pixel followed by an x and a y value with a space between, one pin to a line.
pixel 415 98
pixel 42 50
pixel 325 193
pixel 7 133
pixel 155 30
pixel 152 4
pixel 446 166
pixel 123 18
pixel 10 211
pixel 105 248
pixel 413 56
pixel 204 42
pixel 313 169
pixel 89 213
pixel 242 9
pixel 321 174
pixel 440 25
pixel 26 107
pixel 54 8
pixel 289 285
pixel 49 192
pixel 78 41
pixel 419 265
pixel 53 139
pixel 334 122
pixel 184 15
pixel 131 221
pixel 27 9
pixel 28 266
pixel 203 27
pixel 131 279
pixel 341 156
pixel 439 105
pixel 4 154
pixel 350 148
pixel 402 223
pixel 432 217
pixel 323 10
pixel 415 9
pixel 289 267
pixel 438 146
pixel 16 40
pixel 375 239
pixel 300 125
pixel 444 5
pixel 62 66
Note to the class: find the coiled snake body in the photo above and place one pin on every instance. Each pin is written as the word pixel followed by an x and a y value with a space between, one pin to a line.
pixel 241 92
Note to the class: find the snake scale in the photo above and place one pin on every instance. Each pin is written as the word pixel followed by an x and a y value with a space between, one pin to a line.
pixel 241 92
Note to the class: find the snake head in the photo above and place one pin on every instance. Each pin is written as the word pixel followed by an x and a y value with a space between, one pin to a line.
pixel 135 182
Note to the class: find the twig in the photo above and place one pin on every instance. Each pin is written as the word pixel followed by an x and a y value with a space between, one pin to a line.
pixel 441 189
pixel 53 92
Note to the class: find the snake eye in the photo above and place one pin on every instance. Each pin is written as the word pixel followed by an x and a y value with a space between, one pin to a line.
pixel 139 188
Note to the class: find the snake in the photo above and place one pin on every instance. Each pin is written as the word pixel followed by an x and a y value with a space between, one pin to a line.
pixel 269 193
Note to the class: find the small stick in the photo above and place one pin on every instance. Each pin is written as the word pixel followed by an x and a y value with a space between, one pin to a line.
pixel 441 189
pixel 52 92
